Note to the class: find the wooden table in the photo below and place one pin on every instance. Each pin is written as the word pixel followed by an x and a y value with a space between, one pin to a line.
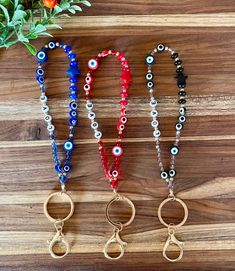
pixel 203 33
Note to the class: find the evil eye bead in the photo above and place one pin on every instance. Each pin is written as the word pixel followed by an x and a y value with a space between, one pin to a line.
pixel 41 56
pixel 182 119
pixel 73 106
pixel 68 146
pixel 154 123
pixel 73 121
pixel 172 173
pixel 98 135
pixel 164 175
pixel 94 125
pixel 45 109
pixel 149 59
pixel 123 111
pixel 153 103
pixel 87 87
pixel 149 76
pixel 154 113
pixel 92 64
pixel 120 127
pixel 48 118
pixel 51 128
pixel 66 168
pixel 117 151
pixel 156 133
pixel 89 105
pixel 40 72
pixel 40 80
pixel 182 111
pixel 115 174
pixel 123 120
pixel 91 115
pixel 174 150
pixel 73 113
pixel 43 99
pixel 51 45
pixel 89 80
pixel 150 84
pixel 179 126
pixel 160 47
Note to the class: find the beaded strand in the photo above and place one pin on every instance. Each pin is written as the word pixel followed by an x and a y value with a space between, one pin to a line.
pixel 167 174
pixel 61 170
pixel 112 173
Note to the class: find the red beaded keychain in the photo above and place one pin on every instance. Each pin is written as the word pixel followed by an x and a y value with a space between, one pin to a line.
pixel 112 173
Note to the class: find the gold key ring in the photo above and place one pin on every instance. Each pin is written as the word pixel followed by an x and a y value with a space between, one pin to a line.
pixel 181 203
pixel 61 194
pixel 119 225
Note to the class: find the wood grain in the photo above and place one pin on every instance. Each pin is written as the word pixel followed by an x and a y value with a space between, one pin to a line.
pixel 203 32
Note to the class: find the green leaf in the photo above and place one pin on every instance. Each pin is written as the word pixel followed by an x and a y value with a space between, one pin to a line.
pixel 18 15
pixel 72 10
pixel 53 26
pixel 45 34
pixel 57 9
pixel 86 3
pixel 16 3
pixel 31 36
pixel 31 48
pixel 6 14
pixel 76 8
pixel 40 28
pixel 21 37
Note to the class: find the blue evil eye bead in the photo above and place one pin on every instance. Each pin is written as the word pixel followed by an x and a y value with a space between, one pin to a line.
pixel 67 48
pixel 92 64
pixel 71 56
pixel 73 88
pixel 68 146
pixel 73 113
pixel 73 106
pixel 63 179
pixel 117 151
pixel 174 150
pixel 98 135
pixel 94 125
pixel 156 133
pixel 41 56
pixel 150 84
pixel 73 121
pixel 160 47
pixel 149 76
pixel 182 119
pixel 149 59
pixel 164 175
pixel 74 63
pixel 50 128
pixel 172 173
pixel 66 168
pixel 51 45
pixel 40 72
pixel 73 80
pixel 40 80
pixel 57 168
pixel 179 126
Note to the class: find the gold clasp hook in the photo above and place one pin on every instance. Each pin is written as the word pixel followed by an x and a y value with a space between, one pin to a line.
pixel 172 240
pixel 115 238
pixel 58 239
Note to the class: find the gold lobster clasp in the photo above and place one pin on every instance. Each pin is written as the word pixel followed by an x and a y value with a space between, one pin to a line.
pixel 115 239
pixel 173 241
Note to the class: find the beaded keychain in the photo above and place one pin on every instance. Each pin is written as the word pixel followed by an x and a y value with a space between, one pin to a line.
pixel 62 169
pixel 112 171
pixel 168 174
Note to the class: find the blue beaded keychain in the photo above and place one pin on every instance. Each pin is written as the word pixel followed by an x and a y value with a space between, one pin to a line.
pixel 62 169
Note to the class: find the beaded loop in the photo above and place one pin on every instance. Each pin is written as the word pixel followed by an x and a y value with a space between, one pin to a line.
pixel 166 174
pixel 72 72
pixel 112 172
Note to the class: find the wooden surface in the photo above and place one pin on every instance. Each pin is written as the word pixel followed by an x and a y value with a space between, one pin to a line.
pixel 203 32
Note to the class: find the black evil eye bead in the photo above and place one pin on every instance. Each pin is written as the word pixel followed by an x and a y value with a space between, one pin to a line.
pixel 182 93
pixel 164 175
pixel 150 84
pixel 182 111
pixel 178 62
pixel 180 69
pixel 40 72
pixel 149 60
pixel 41 56
pixel 179 126
pixel 51 45
pixel 149 76
pixel 174 150
pixel 174 55
pixel 160 47
pixel 182 101
pixel 68 146
pixel 66 168
pixel 182 119
pixel 172 173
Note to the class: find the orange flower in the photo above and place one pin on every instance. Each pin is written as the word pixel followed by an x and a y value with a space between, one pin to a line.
pixel 50 3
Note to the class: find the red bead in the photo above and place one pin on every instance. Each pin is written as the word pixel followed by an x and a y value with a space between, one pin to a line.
pixel 123 120
pixel 89 80
pixel 114 184
pixel 120 127
pixel 124 94
pixel 123 102
pixel 120 56
pixel 123 111
pixel 104 53
pixel 125 86
pixel 126 76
